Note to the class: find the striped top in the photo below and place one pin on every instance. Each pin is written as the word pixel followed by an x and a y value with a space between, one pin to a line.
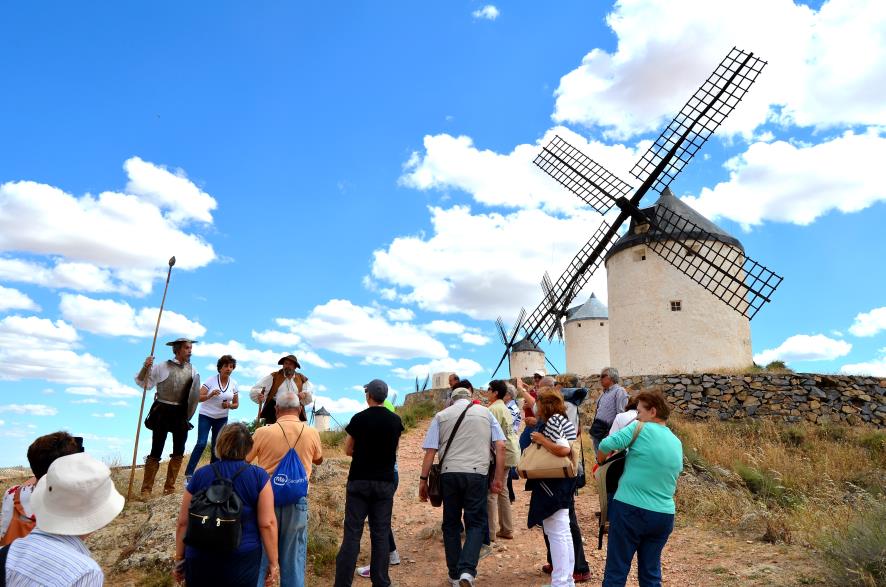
pixel 516 414
pixel 51 560
pixel 558 427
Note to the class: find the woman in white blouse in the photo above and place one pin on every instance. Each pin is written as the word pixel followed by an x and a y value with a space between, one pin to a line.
pixel 217 395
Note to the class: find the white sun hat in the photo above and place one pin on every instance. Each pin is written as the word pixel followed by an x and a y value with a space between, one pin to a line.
pixel 76 496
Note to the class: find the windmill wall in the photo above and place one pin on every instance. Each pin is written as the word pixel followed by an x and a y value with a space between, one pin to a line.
pixel 587 345
pixel 525 363
pixel 647 336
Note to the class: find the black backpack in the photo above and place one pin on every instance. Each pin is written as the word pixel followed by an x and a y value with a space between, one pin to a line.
pixel 214 515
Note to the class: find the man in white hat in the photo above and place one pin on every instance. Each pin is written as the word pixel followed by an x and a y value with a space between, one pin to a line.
pixel 75 498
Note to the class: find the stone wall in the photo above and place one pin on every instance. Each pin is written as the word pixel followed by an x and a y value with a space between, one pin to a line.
pixel 791 397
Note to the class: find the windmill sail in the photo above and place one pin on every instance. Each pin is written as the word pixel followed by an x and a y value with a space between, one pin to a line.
pixel 699 118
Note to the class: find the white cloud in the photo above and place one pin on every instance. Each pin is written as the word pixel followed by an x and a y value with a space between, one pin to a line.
pixel 485 265
pixel 400 314
pixel 119 403
pixel 869 323
pixel 783 182
pixel 488 12
pixel 444 327
pixel 170 190
pixel 38 348
pixel 342 327
pixel 29 409
pixel 825 67
pixel 344 405
pixel 475 339
pixel 82 236
pixel 104 415
pixel 13 299
pixel 117 390
pixel 510 180
pixel 275 337
pixel 804 347
pixel 115 318
pixel 464 368
pixel 253 364
pixel 88 400
pixel 875 367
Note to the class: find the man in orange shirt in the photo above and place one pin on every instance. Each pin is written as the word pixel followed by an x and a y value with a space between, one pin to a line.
pixel 270 445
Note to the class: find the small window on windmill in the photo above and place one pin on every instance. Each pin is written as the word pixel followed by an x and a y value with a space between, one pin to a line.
pixel 640 254
pixel 601 324
pixel 676 306
pixel 579 324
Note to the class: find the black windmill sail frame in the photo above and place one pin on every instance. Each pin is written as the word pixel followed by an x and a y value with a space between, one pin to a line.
pixel 742 283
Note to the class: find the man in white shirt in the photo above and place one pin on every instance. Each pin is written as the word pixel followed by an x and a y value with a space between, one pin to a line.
pixel 265 391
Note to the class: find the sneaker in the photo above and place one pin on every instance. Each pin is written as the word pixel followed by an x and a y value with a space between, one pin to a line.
pixel 466 580
pixel 581 577
pixel 363 572
pixel 547 568
pixel 452 582
pixel 394 558
pixel 485 551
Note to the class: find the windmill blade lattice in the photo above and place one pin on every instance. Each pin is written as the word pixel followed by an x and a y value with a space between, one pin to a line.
pixel 508 339
pixel 554 307
pixel 699 118
pixel 581 175
pixel 721 268
pixel 571 282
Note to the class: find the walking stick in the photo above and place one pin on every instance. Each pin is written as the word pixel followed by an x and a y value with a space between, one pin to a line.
pixel 141 410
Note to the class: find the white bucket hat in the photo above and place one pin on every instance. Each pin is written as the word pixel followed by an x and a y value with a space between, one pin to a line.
pixel 76 496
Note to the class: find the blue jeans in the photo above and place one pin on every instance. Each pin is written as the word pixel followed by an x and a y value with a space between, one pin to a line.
pixel 463 493
pixel 374 499
pixel 204 425
pixel 292 544
pixel 633 529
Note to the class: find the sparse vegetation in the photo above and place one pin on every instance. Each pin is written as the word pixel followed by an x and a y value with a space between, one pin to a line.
pixel 856 553
pixel 332 438
pixel 416 412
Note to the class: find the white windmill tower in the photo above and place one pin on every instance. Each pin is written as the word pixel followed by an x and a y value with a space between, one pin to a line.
pixel 586 335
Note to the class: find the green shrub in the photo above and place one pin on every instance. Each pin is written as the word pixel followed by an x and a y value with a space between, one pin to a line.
pixel 416 412
pixel 834 432
pixel 856 555
pixel 793 436
pixel 875 442
pixel 777 366
pixel 765 485
pixel 332 438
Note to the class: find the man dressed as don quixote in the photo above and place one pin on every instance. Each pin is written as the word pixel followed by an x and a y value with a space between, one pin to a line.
pixel 265 391
pixel 176 398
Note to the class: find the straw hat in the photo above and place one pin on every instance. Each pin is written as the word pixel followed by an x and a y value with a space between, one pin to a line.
pixel 76 496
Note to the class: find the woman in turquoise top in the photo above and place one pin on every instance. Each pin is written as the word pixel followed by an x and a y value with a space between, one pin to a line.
pixel 642 513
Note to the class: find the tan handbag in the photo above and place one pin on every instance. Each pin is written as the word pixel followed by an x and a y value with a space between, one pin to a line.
pixel 537 462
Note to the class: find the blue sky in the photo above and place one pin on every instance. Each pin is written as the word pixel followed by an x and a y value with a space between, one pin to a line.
pixel 354 184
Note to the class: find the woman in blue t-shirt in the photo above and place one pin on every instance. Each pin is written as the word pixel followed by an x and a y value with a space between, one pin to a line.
pixel 641 516
pixel 259 524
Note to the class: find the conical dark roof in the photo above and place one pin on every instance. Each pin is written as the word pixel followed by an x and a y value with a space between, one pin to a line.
pixel 322 412
pixel 593 308
pixel 671 202
pixel 526 345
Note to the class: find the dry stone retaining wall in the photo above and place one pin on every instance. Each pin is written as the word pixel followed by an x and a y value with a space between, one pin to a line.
pixel 791 397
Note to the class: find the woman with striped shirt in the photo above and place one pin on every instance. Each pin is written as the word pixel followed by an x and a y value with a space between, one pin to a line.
pixel 549 505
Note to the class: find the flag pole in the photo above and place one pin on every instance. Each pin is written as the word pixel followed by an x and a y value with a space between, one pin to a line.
pixel 145 385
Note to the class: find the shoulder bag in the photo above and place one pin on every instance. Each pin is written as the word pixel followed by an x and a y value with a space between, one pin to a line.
pixel 435 490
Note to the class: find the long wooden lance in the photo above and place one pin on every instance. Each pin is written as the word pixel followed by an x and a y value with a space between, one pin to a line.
pixel 141 410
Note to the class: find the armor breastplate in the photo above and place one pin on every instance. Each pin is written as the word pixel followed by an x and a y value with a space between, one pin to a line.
pixel 176 387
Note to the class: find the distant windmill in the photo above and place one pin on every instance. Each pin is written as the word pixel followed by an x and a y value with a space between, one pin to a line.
pixel 739 281
pixel 424 386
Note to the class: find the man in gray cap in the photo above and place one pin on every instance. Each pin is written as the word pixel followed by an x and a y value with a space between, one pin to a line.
pixel 178 389
pixel 465 478
pixel 265 391
pixel 373 436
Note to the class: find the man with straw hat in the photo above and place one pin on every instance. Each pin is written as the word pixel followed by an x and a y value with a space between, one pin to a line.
pixel 75 498
pixel 265 391
pixel 178 390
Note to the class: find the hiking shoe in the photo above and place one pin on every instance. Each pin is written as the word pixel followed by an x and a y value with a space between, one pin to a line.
pixel 394 558
pixel 581 577
pixel 485 551
pixel 466 580
pixel 547 568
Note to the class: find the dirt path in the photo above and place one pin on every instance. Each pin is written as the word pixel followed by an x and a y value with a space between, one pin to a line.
pixel 692 556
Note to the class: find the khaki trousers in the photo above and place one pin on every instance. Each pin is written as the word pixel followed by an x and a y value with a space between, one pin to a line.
pixel 499 507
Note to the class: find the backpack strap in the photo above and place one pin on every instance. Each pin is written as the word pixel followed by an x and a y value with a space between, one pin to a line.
pixel 220 476
pixel 454 430
pixel 287 438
